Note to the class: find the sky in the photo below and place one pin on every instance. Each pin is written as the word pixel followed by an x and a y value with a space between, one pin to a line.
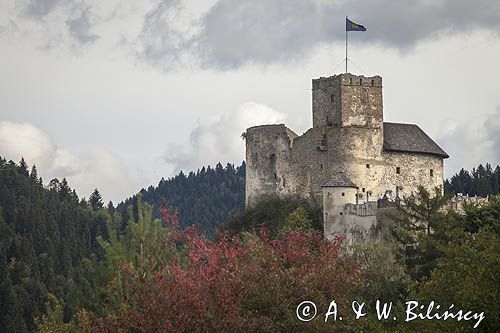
pixel 115 95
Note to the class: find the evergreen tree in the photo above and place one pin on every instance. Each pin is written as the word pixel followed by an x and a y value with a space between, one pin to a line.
pixel 23 167
pixel 206 198
pixel 45 237
pixel 34 174
pixel 95 199
pixel 481 181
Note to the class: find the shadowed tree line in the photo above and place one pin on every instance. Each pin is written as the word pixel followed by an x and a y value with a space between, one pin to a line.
pixel 481 181
pixel 205 198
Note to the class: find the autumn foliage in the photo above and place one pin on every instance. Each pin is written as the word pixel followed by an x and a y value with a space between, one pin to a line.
pixel 246 283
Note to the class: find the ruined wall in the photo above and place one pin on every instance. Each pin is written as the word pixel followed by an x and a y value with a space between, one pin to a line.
pixel 268 170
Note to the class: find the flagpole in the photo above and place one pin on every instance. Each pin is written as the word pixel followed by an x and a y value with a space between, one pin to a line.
pixel 346 46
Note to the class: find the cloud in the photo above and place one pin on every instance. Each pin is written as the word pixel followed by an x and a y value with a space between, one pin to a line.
pixel 102 169
pixel 80 26
pixel 473 142
pixel 273 31
pixel 227 34
pixel 161 40
pixel 233 33
pixel 492 125
pixel 64 22
pixel 219 139
pixel 38 9
pixel 19 140
pixel 96 168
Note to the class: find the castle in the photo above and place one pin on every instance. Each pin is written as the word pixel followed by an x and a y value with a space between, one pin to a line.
pixel 349 159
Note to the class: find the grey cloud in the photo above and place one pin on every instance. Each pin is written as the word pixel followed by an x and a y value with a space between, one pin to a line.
pixel 38 9
pixel 80 26
pixel 263 31
pixel 160 41
pixel 473 141
pixel 74 18
pixel 232 33
pixel 237 32
pixel 492 125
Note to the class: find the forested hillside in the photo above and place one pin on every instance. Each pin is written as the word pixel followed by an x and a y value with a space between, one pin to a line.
pixel 164 279
pixel 78 265
pixel 481 181
pixel 46 234
pixel 206 197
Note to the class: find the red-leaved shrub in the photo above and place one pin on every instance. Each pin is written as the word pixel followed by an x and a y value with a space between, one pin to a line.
pixel 248 283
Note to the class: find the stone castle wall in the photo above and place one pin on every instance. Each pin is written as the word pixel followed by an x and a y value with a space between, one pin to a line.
pixel 347 100
pixel 281 163
pixel 347 137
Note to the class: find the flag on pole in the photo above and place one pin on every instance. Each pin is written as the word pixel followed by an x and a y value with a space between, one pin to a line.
pixel 351 26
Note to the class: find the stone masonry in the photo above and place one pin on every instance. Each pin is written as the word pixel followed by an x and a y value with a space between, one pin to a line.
pixel 349 157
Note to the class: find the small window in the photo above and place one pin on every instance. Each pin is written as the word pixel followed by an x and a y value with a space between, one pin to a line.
pixel 275 176
pixel 398 170
pixel 432 173
pixel 332 98
pixel 363 189
pixel 350 80
pixel 341 213
pixel 360 82
pixel 321 166
pixel 328 121
pixel 368 166
pixel 343 194
pixel 373 82
pixel 272 157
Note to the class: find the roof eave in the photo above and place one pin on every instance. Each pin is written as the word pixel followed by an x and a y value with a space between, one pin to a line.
pixel 417 152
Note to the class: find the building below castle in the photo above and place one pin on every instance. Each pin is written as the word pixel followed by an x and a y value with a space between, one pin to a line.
pixel 349 159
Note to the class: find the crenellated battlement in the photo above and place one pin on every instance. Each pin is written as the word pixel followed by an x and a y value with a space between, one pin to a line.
pixel 347 79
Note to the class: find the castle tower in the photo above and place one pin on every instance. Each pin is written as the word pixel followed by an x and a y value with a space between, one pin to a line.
pixel 268 149
pixel 347 100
